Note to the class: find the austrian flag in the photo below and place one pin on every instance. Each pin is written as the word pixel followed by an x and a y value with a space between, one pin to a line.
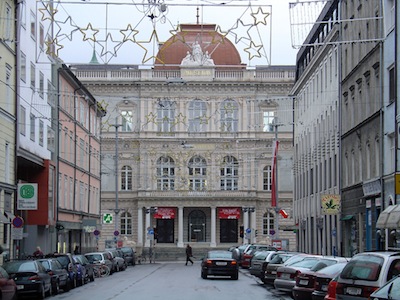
pixel 273 180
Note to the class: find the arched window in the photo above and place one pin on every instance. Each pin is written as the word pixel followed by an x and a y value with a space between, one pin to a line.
pixel 165 173
pixel 229 173
pixel 267 178
pixel 197 173
pixel 197 116
pixel 268 223
pixel 126 223
pixel 165 115
pixel 229 116
pixel 126 178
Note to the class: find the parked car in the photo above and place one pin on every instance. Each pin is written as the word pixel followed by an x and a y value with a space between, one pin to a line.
pixel 323 279
pixel 282 258
pixel 30 277
pixel 100 258
pixel 83 261
pixel 129 255
pixel 331 293
pixel 286 275
pixel 389 291
pixel 365 273
pixel 8 288
pixel 59 276
pixel 306 281
pixel 118 262
pixel 74 269
pixel 259 261
pixel 219 263
pixel 249 252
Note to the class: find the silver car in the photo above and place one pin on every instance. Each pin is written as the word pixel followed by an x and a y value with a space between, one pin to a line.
pixel 100 258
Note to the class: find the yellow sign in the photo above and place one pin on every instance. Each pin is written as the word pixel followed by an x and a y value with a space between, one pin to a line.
pixel 330 204
pixel 397 184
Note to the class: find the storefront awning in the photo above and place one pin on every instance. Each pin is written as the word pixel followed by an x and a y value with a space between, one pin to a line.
pixel 346 217
pixel 165 213
pixel 393 220
pixel 383 216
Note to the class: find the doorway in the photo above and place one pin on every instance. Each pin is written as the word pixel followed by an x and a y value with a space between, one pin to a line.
pixel 165 230
pixel 197 226
pixel 229 231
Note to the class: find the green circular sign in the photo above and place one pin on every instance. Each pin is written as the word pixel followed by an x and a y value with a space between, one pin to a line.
pixel 27 191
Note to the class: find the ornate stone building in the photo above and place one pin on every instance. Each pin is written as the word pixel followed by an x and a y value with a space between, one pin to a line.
pixel 187 147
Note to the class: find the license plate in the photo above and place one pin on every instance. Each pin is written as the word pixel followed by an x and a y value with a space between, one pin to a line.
pixel 285 276
pixel 20 287
pixel 220 263
pixel 303 282
pixel 353 291
pixel 273 272
pixel 324 288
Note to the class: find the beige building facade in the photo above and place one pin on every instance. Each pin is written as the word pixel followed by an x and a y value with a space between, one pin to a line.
pixel 187 151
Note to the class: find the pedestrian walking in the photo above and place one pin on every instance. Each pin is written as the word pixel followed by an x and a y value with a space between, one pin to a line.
pixel 38 253
pixel 189 254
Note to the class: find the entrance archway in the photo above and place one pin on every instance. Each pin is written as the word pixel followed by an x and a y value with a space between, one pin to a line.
pixel 197 226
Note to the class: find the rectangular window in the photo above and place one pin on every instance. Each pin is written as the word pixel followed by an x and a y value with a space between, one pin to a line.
pixel 41 84
pixel 33 25
pixel 268 121
pixel 41 132
pixel 33 76
pixel 22 119
pixel 8 25
pixel 23 67
pixel 32 126
pixel 392 85
pixel 41 36
pixel 7 158
pixel 51 137
pixel 51 94
pixel 9 93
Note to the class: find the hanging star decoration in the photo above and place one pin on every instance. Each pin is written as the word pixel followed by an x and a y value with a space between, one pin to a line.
pixel 218 36
pixel 253 50
pixel 106 48
pixel 89 33
pixel 129 34
pixel 151 118
pixel 53 47
pixel 48 12
pixel 260 17
pixel 72 28
pixel 204 119
pixel 152 41
pixel 240 27
pixel 180 118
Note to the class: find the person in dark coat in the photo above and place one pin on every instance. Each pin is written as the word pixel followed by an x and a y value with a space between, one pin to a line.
pixel 189 254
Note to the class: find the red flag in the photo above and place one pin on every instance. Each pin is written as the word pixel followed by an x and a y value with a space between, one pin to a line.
pixel 273 189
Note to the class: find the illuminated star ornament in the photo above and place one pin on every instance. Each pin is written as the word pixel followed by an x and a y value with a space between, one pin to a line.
pixel 239 27
pixel 108 46
pixel 260 17
pixel 152 41
pixel 48 12
pixel 53 47
pixel 129 34
pixel 253 50
pixel 89 33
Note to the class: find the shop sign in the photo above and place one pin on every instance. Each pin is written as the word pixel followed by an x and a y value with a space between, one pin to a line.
pixel 165 213
pixel 229 213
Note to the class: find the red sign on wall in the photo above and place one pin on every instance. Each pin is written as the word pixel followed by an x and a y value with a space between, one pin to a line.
pixel 229 213
pixel 165 213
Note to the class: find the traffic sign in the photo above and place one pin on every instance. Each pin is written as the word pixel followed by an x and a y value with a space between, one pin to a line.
pixel 116 233
pixel 248 230
pixel 107 218
pixel 96 232
pixel 18 222
pixel 272 232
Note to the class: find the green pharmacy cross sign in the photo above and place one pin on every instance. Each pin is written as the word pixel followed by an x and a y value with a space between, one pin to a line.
pixel 107 218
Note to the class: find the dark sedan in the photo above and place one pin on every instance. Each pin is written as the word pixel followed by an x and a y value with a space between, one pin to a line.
pixel 389 291
pixel 323 279
pixel 30 277
pixel 59 276
pixel 306 281
pixel 219 263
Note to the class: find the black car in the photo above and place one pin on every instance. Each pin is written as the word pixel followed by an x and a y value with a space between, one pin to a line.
pixel 30 277
pixel 89 270
pixel 59 276
pixel 74 269
pixel 219 263
pixel 129 255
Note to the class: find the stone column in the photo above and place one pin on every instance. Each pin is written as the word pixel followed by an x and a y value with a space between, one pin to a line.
pixel 180 227
pixel 148 215
pixel 245 226
pixel 253 226
pixel 213 227
pixel 140 227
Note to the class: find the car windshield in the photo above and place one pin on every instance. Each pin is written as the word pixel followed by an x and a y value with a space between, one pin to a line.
pixel 219 254
pixel 93 257
pixel 333 269
pixel 280 258
pixel 14 267
pixel 323 263
pixel 365 267
pixel 390 290
pixel 306 263
pixel 64 261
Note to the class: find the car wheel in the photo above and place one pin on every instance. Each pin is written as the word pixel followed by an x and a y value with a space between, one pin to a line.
pixel 50 291
pixel 235 276
pixel 91 278
pixel 203 275
pixel 56 288
pixel 67 286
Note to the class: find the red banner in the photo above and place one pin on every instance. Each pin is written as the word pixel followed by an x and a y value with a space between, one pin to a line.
pixel 273 190
pixel 165 213
pixel 229 213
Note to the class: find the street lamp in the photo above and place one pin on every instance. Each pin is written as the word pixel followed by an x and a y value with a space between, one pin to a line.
pixel 116 210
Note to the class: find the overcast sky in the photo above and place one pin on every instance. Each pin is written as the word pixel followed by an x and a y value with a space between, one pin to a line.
pixel 123 31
